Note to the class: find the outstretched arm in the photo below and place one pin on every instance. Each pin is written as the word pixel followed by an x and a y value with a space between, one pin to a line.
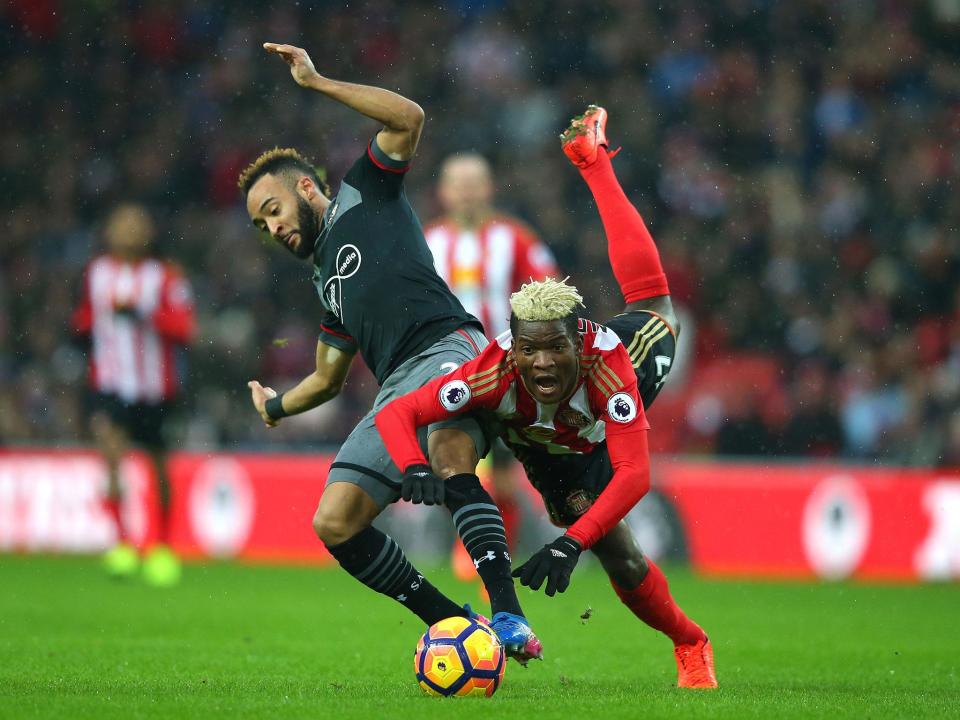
pixel 631 479
pixel 320 386
pixel 630 457
pixel 402 118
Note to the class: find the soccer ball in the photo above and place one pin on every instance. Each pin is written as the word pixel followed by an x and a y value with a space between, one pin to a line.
pixel 459 656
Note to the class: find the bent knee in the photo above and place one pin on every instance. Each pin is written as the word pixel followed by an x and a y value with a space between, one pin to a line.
pixel 669 315
pixel 344 510
pixel 451 452
pixel 333 528
pixel 628 573
pixel 662 305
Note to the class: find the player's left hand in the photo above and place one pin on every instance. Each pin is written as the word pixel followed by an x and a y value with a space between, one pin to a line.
pixel 421 485
pixel 554 563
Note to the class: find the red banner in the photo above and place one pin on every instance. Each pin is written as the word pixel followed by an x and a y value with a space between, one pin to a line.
pixel 816 520
pixel 744 519
pixel 253 506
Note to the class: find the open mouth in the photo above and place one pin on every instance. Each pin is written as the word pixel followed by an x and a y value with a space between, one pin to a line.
pixel 546 384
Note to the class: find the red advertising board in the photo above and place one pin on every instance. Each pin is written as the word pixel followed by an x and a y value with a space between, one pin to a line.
pixel 817 520
pixel 744 519
pixel 257 506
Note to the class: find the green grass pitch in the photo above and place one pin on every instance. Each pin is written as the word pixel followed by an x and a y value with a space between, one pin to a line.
pixel 240 641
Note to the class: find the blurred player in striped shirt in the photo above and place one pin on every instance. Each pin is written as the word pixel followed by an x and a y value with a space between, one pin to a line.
pixel 136 312
pixel 484 255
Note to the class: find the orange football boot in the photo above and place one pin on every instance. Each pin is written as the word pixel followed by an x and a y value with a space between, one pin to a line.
pixel 585 136
pixel 695 665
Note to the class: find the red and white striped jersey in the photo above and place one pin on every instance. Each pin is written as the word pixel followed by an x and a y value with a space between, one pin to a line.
pixel 137 315
pixel 604 410
pixel 604 400
pixel 483 266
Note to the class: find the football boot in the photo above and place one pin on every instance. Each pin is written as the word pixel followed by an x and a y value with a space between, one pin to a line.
pixel 582 140
pixel 695 665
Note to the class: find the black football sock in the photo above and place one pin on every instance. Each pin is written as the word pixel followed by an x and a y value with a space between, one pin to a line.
pixel 480 527
pixel 376 560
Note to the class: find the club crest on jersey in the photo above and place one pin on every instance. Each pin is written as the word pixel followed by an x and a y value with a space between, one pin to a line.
pixel 573 418
pixel 539 434
pixel 622 408
pixel 578 502
pixel 454 395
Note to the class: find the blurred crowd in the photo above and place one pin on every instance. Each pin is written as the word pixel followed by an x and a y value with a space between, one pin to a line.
pixel 797 163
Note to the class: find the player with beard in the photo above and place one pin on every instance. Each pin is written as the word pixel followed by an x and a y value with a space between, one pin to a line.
pixel 375 278
pixel 570 396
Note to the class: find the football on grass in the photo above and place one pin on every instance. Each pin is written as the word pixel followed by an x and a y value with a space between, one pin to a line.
pixel 459 656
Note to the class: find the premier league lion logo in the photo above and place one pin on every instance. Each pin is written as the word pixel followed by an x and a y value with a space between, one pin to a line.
pixel 622 408
pixel 454 395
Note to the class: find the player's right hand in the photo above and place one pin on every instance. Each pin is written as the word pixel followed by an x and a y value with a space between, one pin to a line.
pixel 420 485
pixel 301 66
pixel 260 394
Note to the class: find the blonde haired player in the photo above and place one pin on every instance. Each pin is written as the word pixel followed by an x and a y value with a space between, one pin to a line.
pixel 569 396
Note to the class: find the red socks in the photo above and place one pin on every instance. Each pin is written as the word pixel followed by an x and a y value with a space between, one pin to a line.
pixel 112 507
pixel 651 602
pixel 633 254
pixel 163 525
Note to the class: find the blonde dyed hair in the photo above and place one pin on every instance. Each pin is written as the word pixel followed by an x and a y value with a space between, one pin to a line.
pixel 545 300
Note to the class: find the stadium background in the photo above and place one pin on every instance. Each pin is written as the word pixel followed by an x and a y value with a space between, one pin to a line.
pixel 797 163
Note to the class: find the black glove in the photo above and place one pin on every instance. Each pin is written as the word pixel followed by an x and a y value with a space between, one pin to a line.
pixel 554 563
pixel 420 485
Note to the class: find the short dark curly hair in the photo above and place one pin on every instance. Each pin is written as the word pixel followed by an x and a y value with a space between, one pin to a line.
pixel 282 161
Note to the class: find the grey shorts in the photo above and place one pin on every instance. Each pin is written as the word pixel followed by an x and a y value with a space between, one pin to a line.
pixel 363 460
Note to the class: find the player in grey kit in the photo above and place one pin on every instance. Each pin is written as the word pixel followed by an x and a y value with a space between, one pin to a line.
pixel 375 277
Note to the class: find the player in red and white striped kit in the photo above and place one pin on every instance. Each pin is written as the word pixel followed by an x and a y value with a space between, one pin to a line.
pixel 484 255
pixel 137 314
pixel 481 253
pixel 569 397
